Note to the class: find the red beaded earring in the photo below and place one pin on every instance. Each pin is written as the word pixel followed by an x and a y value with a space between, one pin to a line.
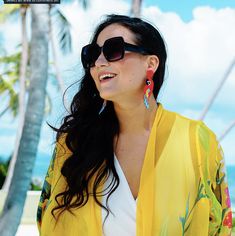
pixel 148 88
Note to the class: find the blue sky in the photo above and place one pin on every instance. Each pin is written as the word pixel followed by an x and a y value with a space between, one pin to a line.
pixel 184 8
pixel 200 40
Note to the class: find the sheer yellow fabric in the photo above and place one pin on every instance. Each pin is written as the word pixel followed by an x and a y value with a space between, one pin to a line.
pixel 183 188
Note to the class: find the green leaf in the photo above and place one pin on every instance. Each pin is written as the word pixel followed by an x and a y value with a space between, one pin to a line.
pixel 164 229
pixel 204 137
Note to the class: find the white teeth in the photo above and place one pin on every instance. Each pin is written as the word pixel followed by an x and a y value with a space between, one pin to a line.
pixel 106 76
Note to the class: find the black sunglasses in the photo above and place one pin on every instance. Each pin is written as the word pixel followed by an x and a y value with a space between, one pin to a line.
pixel 113 50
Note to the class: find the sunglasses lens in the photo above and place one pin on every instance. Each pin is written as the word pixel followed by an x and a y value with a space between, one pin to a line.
pixel 90 53
pixel 114 49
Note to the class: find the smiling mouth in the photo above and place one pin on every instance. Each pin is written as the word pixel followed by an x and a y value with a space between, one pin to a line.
pixel 106 77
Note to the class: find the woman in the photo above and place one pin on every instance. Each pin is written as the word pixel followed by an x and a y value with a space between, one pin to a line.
pixel 123 165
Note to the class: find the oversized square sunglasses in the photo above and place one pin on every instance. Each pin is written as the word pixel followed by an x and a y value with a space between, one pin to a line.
pixel 113 50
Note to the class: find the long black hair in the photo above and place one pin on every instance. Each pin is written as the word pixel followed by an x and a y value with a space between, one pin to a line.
pixel 90 135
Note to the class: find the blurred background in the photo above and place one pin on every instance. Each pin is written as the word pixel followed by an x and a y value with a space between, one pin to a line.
pixel 199 83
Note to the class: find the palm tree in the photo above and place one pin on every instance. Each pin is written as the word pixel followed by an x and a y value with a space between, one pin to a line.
pixel 5 13
pixel 136 8
pixel 13 208
pixel 22 79
pixel 64 41
pixel 63 35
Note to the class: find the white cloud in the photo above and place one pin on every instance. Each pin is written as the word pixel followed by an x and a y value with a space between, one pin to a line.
pixel 199 52
pixel 11 35
pixel 84 21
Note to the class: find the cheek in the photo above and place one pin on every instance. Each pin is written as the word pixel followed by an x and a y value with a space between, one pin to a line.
pixel 135 74
pixel 133 70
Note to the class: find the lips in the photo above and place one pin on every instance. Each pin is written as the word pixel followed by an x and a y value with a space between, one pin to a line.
pixel 105 76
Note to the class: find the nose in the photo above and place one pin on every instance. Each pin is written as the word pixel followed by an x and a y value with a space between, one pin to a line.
pixel 101 60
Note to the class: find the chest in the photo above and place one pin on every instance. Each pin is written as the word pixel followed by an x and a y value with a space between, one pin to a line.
pixel 130 153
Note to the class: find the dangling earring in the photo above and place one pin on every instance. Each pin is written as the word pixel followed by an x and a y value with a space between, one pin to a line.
pixel 103 106
pixel 148 88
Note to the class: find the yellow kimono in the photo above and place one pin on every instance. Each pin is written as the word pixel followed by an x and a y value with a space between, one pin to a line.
pixel 183 187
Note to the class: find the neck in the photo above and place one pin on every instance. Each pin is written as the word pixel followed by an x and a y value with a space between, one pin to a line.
pixel 135 118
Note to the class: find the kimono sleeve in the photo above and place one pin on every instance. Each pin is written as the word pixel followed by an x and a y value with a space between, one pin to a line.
pixel 46 190
pixel 222 194
pixel 214 178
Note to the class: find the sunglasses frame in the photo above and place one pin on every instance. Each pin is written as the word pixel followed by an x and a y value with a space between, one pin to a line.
pixel 88 61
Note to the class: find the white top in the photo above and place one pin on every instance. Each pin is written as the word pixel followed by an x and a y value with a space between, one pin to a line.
pixel 123 206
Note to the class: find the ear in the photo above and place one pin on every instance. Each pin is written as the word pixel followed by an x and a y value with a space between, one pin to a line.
pixel 152 62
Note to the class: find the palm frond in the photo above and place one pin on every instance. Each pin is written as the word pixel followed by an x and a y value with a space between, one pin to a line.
pixel 48 105
pixel 8 11
pixel 14 104
pixel 85 3
pixel 7 86
pixel 11 58
pixel 10 65
pixel 63 33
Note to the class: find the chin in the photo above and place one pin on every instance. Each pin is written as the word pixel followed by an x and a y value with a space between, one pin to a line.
pixel 107 96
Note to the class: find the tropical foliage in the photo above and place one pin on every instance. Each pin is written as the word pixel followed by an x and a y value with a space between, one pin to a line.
pixel 35 184
pixel 8 80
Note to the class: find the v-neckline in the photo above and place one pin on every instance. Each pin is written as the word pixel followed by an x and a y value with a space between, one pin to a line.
pixel 155 125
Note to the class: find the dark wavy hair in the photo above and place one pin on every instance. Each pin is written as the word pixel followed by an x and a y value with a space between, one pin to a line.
pixel 90 135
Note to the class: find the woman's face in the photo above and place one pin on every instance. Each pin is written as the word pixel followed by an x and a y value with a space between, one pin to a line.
pixel 129 73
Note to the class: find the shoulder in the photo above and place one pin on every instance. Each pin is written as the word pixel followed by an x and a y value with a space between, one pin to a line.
pixel 175 118
pixel 205 148
pixel 198 126
pixel 199 133
pixel 167 114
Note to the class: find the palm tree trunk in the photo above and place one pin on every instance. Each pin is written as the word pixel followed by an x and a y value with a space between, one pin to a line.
pixel 136 8
pixel 22 76
pixel 13 207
